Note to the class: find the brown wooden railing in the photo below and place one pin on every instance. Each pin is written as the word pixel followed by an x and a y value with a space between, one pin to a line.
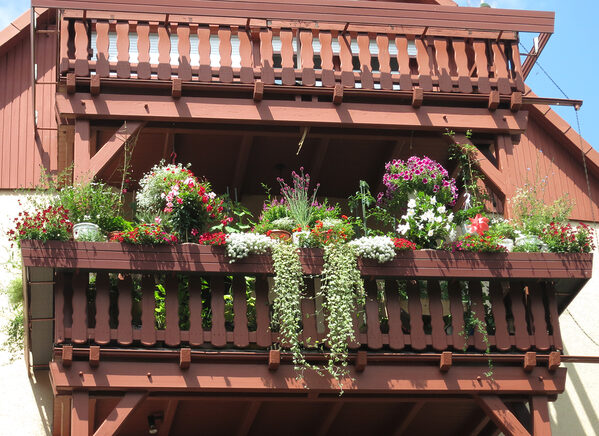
pixel 315 56
pixel 106 294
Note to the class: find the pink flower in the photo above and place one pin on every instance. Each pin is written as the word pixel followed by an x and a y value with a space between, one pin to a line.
pixel 157 220
pixel 479 224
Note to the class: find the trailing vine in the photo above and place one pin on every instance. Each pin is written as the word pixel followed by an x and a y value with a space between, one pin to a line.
pixel 472 322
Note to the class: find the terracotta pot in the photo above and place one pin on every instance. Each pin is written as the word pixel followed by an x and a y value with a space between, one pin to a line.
pixel 280 234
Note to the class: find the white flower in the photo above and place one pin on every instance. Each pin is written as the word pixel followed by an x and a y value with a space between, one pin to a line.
pixel 380 248
pixel 411 204
pixel 430 232
pixel 433 200
pixel 240 245
pixel 402 229
pixel 212 195
pixel 428 216
pixel 438 219
pixel 450 217
pixel 411 212
pixel 441 209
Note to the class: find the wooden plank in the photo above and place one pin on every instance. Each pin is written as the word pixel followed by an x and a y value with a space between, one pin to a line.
pixel 461 59
pixel 196 331
pixel 225 71
pixel 500 63
pixel 125 326
pixel 554 317
pixel 172 336
pixel 417 336
pixel 365 61
pixel 375 337
pixel 499 413
pixel 537 308
pixel 240 322
pixel 59 306
pixel 111 149
pixel 519 312
pixel 385 80
pixel 345 56
pixel 218 332
pixel 81 150
pixel 517 67
pixel 102 329
pixel 326 59
pixel 119 414
pixel 478 311
pixel 246 73
pixel 65 38
pixel 123 68
pixel 102 49
pixel 396 336
pixel 442 55
pixel 164 53
pixel 539 409
pixel 80 283
pixel 148 311
pixel 267 73
pixel 80 414
pixel 184 47
pixel 307 58
pixel 81 53
pixel 403 61
pixel 456 307
pixel 482 68
pixel 288 72
pixel 308 308
pixel 144 70
pixel 502 337
pixel 436 310
pixel 263 336
pixel 424 65
pixel 205 71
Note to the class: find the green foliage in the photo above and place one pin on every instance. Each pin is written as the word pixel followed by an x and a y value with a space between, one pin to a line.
pixel 469 175
pixel 364 204
pixel 13 329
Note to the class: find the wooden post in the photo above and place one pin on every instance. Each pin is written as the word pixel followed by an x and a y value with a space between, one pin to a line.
pixel 81 153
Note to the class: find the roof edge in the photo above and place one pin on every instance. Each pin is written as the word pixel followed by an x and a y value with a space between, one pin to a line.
pixel 17 28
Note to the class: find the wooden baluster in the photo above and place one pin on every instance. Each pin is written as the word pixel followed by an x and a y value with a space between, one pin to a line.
pixel 123 68
pixel 537 307
pixel 144 71
pixel 461 60
pixel 81 53
pixel 517 67
pixel 240 321
pixel 196 331
pixel 502 337
pixel 403 61
pixel 365 61
pixel 59 306
pixel 225 72
pixel 396 339
pixel 501 73
pixel 482 66
pixel 386 81
pixel 65 39
pixel 436 310
pixel 263 334
pixel 288 71
pixel 125 328
pixel 345 56
pixel 375 337
pixel 218 333
pixel 456 307
pixel 80 283
pixel 246 74
pixel 102 330
pixel 519 312
pixel 442 55
pixel 417 336
pixel 148 310
pixel 205 73
pixel 478 310
pixel 184 47
pixel 102 49
pixel 554 317
pixel 307 58
pixel 326 59
pixel 172 336
pixel 308 308
pixel 424 65
pixel 267 73
pixel 164 53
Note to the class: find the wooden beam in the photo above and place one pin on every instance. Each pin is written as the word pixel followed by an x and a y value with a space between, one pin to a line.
pixel 94 356
pixel 113 146
pixel 539 409
pixel 408 418
pixel 258 90
pixel 516 101
pixel 71 83
pixel 184 358
pixel 250 415
pixel 67 355
pixel 445 361
pixel 123 409
pixel 417 97
pixel 81 150
pixel 361 360
pixel 337 94
pixel 330 417
pixel 169 418
pixel 499 413
pixel 95 85
pixel 287 112
pixel 241 163
pixel 274 359
pixel 530 361
pixel 494 100
pixel 92 415
pixel 554 360
pixel 80 414
pixel 176 88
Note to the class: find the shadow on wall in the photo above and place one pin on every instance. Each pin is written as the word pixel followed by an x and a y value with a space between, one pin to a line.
pixel 565 417
pixel 42 392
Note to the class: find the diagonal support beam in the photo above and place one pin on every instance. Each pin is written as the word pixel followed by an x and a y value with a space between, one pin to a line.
pixel 113 146
pixel 123 409
pixel 408 418
pixel 243 157
pixel 169 418
pixel 499 413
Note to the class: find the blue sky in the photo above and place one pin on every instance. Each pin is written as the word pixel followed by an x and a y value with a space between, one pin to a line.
pixel 571 58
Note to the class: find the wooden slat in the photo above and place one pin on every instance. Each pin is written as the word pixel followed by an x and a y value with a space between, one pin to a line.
pixel 164 53
pixel 478 310
pixel 59 306
pixel 456 307
pixel 502 337
pixel 246 73
pixel 307 58
pixel 345 56
pixel 287 73
pixel 267 73
pixel 554 317
pixel 308 309
pixel 102 329
pixel 125 327
pixel 424 65
pixel 225 72
pixel 517 67
pixel 172 336
pixel 539 323
pixel 375 337
pixel 365 61
pixel 482 68
pixel 184 46
pixel 396 337
pixel 461 60
pixel 81 53
pixel 64 46
pixel 144 70
pixel 240 322
pixel 501 72
pixel 442 55
pixel 436 310
pixel 148 310
pixel 326 59
pixel 519 312
pixel 123 68
pixel 80 283
pixel 417 336
pixel 205 71
pixel 196 331
pixel 263 336
pixel 403 61
pixel 385 80
pixel 218 333
pixel 102 48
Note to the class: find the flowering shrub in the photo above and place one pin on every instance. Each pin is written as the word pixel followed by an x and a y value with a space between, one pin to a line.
pixel 402 244
pixel 49 224
pixel 403 179
pixel 145 234
pixel 324 232
pixel 564 238
pixel 240 245
pixel 297 197
pixel 477 242
pixel 214 238
pixel 426 221
pixel 379 248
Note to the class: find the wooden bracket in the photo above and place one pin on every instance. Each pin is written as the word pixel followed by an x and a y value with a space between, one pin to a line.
pixel 274 359
pixel 554 360
pixel 67 355
pixel 361 360
pixel 94 356
pixel 337 94
pixel 530 361
pixel 516 101
pixel 446 361
pixel 71 83
pixel 184 358
pixel 94 85
pixel 493 100
pixel 417 97
pixel 258 90
pixel 177 88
